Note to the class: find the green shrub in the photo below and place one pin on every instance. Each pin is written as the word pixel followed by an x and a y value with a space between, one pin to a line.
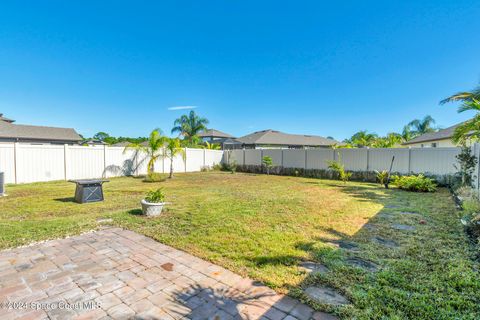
pixel 230 166
pixel 417 183
pixel 267 163
pixel 471 218
pixel 155 196
pixel 206 168
pixel 339 168
pixel 154 177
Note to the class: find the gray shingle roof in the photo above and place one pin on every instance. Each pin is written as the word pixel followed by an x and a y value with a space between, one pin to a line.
pixel 433 136
pixel 214 133
pixel 272 137
pixel 19 131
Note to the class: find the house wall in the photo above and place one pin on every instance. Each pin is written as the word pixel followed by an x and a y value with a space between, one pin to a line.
pixel 444 143
pixel 23 163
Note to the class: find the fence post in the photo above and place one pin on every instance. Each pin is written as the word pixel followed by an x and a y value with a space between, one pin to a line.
pixel 185 162
pixel 105 160
pixel 368 158
pixel 243 155
pixel 204 156
pixel 305 159
pixel 281 150
pixel 15 146
pixel 65 147
pixel 409 160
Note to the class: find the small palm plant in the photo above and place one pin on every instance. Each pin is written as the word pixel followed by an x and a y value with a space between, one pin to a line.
pixel 153 149
pixel 339 168
pixel 212 146
pixel 173 148
pixel 268 163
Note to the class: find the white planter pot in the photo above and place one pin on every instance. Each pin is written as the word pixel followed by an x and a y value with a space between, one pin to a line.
pixel 152 209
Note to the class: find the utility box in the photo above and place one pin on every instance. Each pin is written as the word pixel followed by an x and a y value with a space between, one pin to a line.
pixel 88 190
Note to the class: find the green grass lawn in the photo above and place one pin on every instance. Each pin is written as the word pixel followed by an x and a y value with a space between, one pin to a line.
pixel 263 226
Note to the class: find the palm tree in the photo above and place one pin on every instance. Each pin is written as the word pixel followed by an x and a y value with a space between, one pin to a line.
pixel 189 126
pixel 389 141
pixel 422 126
pixel 363 139
pixel 469 129
pixel 172 149
pixel 464 96
pixel 408 134
pixel 212 146
pixel 153 148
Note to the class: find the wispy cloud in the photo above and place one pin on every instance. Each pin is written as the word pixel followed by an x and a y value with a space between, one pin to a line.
pixel 182 107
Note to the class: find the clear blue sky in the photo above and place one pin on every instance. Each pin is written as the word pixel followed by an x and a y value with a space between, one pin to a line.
pixel 316 67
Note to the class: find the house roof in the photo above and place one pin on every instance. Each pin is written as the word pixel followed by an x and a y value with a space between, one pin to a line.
pixel 214 133
pixel 20 131
pixel 433 136
pixel 272 137
pixel 121 144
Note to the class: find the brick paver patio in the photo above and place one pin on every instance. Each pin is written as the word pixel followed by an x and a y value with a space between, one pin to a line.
pixel 119 274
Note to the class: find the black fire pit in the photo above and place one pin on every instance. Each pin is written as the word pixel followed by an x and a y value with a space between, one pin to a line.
pixel 88 190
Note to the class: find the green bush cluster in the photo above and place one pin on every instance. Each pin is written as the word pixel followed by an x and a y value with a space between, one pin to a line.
pixel 155 196
pixel 416 183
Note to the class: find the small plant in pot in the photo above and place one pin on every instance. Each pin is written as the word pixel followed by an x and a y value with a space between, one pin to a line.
pixel 153 203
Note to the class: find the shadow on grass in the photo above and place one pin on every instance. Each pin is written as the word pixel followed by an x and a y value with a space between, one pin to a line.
pixel 67 199
pixel 136 212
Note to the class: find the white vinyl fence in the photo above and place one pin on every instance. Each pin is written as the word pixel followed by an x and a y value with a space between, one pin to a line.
pixel 23 163
pixel 437 161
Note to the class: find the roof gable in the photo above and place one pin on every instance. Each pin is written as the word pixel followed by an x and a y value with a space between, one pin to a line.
pixel 19 131
pixel 214 133
pixel 273 137
pixel 441 134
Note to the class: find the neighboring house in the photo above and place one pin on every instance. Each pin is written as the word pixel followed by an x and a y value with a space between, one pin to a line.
pixel 93 142
pixel 270 139
pixel 225 140
pixel 212 135
pixel 121 144
pixel 439 139
pixel 11 132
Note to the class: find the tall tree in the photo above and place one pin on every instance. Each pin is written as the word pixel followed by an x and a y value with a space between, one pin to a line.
pixel 101 136
pixel 189 126
pixel 422 126
pixel 153 148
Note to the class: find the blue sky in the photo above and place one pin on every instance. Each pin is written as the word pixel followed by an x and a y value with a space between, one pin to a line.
pixel 313 67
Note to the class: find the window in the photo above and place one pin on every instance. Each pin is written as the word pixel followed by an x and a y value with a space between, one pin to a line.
pixel 434 145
